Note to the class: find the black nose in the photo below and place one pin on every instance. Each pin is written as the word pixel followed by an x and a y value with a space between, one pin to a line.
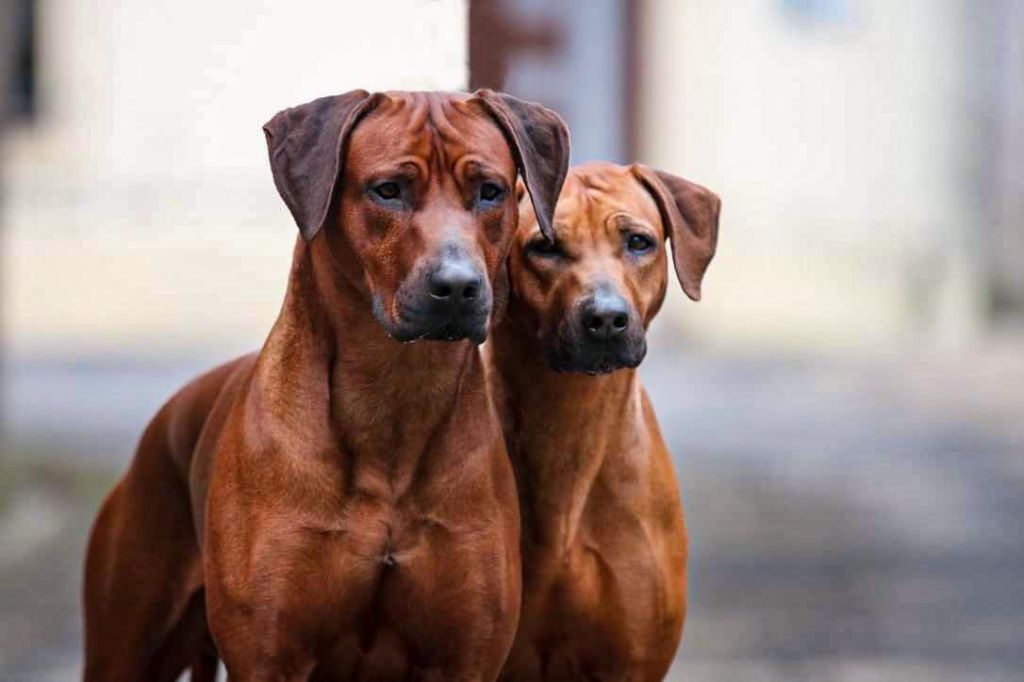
pixel 455 281
pixel 605 316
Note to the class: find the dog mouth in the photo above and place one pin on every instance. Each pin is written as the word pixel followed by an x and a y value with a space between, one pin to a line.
pixel 603 366
pixel 410 324
pixel 594 366
pixel 595 359
pixel 456 331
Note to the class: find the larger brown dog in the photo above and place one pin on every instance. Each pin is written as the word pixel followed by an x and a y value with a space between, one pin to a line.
pixel 604 544
pixel 343 499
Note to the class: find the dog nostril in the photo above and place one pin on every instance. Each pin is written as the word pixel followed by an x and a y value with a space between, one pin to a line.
pixel 594 323
pixel 620 321
pixel 470 292
pixel 441 290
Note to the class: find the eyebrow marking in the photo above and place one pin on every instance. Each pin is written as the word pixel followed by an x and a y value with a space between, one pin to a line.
pixel 409 167
pixel 625 220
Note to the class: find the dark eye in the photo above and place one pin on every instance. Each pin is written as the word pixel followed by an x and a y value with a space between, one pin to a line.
pixel 542 247
pixel 387 190
pixel 638 243
pixel 490 192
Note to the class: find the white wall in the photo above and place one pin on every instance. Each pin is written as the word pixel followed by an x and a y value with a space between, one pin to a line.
pixel 840 150
pixel 139 213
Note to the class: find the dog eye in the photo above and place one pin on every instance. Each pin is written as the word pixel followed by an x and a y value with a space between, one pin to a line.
pixel 387 190
pixel 542 247
pixel 638 243
pixel 490 192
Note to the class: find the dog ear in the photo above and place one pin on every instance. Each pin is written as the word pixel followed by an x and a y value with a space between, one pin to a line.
pixel 690 215
pixel 539 140
pixel 307 147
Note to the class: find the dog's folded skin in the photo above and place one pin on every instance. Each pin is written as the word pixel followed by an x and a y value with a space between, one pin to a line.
pixel 341 505
pixel 604 541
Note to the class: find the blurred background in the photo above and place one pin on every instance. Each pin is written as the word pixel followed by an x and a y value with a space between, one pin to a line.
pixel 845 406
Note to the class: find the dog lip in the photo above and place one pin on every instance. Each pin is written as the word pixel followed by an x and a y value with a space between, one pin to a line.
pixel 451 331
pixel 451 327
pixel 594 357
pixel 417 319
pixel 603 366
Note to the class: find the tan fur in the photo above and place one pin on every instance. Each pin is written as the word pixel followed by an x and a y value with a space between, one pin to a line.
pixel 339 504
pixel 604 540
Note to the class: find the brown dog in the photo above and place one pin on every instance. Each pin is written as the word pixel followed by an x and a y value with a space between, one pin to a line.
pixel 604 544
pixel 340 505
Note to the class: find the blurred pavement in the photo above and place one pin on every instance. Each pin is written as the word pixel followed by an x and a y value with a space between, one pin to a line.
pixel 849 520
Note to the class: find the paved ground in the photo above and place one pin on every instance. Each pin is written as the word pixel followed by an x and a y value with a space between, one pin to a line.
pixel 849 521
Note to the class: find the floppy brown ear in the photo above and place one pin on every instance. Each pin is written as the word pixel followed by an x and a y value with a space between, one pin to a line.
pixel 690 215
pixel 539 140
pixel 307 147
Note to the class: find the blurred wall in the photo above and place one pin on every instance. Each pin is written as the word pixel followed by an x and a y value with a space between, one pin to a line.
pixel 139 211
pixel 583 73
pixel 838 133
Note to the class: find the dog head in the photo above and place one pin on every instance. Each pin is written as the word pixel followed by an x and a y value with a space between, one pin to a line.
pixel 591 293
pixel 414 196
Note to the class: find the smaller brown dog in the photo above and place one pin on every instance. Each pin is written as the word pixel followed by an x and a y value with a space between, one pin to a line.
pixel 604 542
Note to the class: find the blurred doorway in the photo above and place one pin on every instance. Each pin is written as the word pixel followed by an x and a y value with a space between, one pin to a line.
pixel 996 73
pixel 17 59
pixel 576 56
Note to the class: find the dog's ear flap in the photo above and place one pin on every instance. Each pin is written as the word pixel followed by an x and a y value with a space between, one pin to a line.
pixel 539 140
pixel 689 213
pixel 307 147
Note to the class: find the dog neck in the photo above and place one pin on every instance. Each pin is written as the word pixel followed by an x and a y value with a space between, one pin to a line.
pixel 563 431
pixel 341 378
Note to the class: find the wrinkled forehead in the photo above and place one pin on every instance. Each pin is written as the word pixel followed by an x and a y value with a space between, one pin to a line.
pixel 597 197
pixel 441 129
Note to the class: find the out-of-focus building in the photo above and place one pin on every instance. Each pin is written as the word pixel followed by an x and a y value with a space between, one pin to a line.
pixel 865 152
pixel 844 136
pixel 863 149
pixel 139 215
